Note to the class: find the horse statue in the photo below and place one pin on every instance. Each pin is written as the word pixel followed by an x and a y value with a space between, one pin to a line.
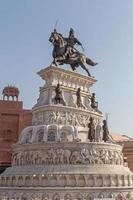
pixel 64 51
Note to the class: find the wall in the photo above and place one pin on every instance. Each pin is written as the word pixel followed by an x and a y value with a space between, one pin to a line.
pixel 128 152
pixel 13 118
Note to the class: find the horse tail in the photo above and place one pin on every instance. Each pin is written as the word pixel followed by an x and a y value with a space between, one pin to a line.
pixel 90 62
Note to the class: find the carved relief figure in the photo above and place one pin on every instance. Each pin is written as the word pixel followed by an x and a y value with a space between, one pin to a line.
pixel 56 197
pixel 89 197
pixel 63 118
pixel 15 197
pixel 81 120
pixel 24 197
pixel 66 118
pixel 45 197
pixel 111 157
pixel 129 196
pixel 34 197
pixel 79 197
pixel 46 158
pixel 59 156
pixel 91 156
pixel 121 158
pixel 120 197
pixel 85 155
pixel 66 156
pixel 67 197
pixel 51 117
pixel 75 157
pixel 96 156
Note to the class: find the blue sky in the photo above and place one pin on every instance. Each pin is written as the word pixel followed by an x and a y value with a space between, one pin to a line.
pixel 105 29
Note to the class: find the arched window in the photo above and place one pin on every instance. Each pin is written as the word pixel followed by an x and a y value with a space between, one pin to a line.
pixel 40 135
pixel 28 137
pixel 63 136
pixel 51 136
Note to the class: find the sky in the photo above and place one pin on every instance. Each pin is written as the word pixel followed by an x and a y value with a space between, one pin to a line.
pixel 105 28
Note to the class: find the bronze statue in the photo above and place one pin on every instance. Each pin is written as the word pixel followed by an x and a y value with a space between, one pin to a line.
pixel 94 103
pixel 58 96
pixel 79 100
pixel 91 133
pixel 105 131
pixel 64 51
pixel 71 41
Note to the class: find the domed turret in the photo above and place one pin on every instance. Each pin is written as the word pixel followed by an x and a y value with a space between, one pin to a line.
pixel 10 91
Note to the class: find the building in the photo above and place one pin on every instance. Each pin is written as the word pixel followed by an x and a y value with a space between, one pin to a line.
pixel 13 118
pixel 127 143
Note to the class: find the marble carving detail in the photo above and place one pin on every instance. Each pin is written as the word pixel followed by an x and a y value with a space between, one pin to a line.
pixel 67 156
pixel 62 118
pixel 67 196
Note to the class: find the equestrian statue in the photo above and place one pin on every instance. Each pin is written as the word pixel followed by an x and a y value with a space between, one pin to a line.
pixel 64 51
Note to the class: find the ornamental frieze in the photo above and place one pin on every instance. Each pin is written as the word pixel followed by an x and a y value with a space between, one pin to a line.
pixel 67 156
pixel 62 118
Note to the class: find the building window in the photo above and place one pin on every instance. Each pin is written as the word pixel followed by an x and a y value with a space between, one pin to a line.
pixel 28 137
pixel 51 136
pixel 63 137
pixel 40 136
pixel 7 135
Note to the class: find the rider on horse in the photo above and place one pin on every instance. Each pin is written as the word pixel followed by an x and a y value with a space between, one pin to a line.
pixel 71 41
pixel 64 51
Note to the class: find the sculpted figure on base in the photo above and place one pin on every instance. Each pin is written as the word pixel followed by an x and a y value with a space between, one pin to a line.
pixel 79 100
pixel 91 133
pixel 105 131
pixel 94 103
pixel 64 51
pixel 58 96
pixel 106 135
